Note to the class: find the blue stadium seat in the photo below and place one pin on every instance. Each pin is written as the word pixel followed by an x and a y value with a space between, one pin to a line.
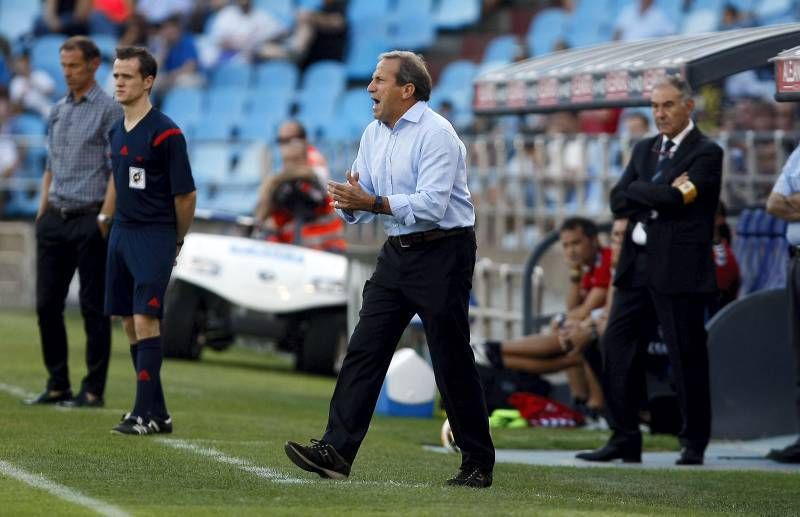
pixel 423 7
pixel 275 75
pixel 325 77
pixel 457 74
pixel 354 114
pixel 226 101
pixel 710 5
pixel 281 9
pixel 232 74
pixel 412 31
pixel 274 107
pixel 22 203
pixel 211 163
pixel 107 45
pixel 29 124
pixel 316 112
pixel 769 12
pixel 214 127
pixel 548 27
pixel 592 22
pixel 257 128
pixel 45 56
pixel 501 49
pixel 455 14
pixel 363 9
pixel 184 106
pixel 249 166
pixel 309 4
pixel 699 21
pixel 362 56
pixel 18 17
pixel 673 9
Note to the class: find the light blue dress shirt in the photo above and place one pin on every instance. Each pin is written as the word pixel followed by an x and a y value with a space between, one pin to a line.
pixel 419 167
pixel 789 183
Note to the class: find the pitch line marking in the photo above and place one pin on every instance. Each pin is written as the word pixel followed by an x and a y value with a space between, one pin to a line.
pixel 266 472
pixel 60 491
pixel 16 391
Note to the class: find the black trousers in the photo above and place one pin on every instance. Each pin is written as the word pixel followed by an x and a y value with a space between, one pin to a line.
pixel 793 288
pixel 634 314
pixel 431 279
pixel 62 245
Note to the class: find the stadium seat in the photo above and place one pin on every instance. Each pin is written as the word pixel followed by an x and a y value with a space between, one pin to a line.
pixel 697 22
pixel 309 4
pixel 226 102
pixel 276 75
pixel 412 31
pixel 769 12
pixel 366 9
pixel 502 49
pixel 456 14
pixel 214 127
pixel 710 5
pixel 273 107
pixel 327 76
pixel 45 56
pixel 232 74
pixel 281 9
pixel 591 23
pixel 457 74
pixel 256 128
pixel 183 105
pixel 354 114
pixel 673 9
pixel 211 162
pixel 18 17
pixel 547 28
pixel 250 165
pixel 423 7
pixel 29 124
pixel 107 45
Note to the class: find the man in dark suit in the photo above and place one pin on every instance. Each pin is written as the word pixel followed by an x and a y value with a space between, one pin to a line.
pixel 665 274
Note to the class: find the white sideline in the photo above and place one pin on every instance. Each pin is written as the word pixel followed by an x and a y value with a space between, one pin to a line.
pixel 16 391
pixel 221 457
pixel 60 491
pixel 265 472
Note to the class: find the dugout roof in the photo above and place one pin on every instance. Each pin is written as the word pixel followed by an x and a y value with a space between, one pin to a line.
pixel 622 74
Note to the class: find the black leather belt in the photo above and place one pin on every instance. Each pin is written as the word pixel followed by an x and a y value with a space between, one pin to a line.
pixel 415 239
pixel 70 212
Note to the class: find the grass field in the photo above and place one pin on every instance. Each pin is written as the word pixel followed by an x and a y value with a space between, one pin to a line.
pixel 234 410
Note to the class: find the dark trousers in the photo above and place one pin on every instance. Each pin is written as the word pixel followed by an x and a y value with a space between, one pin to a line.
pixel 793 288
pixel 634 314
pixel 433 280
pixel 62 245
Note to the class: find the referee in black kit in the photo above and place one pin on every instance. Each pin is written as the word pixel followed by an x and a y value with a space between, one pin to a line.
pixel 411 171
pixel 72 225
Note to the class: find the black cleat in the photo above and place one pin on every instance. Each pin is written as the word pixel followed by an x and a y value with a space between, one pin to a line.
pixel 319 457
pixel 132 425
pixel 611 452
pixel 790 454
pixel 472 477
pixel 160 425
pixel 48 398
pixel 689 456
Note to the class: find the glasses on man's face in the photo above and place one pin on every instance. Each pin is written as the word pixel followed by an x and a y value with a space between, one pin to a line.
pixel 283 140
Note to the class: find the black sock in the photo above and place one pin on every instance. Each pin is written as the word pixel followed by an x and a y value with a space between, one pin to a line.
pixel 133 355
pixel 148 369
pixel 494 354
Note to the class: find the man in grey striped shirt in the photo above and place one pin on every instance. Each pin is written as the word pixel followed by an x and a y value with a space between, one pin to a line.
pixel 72 225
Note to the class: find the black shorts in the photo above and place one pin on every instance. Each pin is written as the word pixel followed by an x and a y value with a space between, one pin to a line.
pixel 137 270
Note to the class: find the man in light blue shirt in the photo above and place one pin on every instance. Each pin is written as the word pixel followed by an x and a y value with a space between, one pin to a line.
pixel 784 202
pixel 411 172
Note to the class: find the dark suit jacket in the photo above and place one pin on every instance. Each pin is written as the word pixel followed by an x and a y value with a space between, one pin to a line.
pixel 679 238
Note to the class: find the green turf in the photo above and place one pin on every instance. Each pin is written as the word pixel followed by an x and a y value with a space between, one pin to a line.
pixel 246 404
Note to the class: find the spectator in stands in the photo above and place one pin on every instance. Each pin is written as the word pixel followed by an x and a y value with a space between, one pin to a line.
pixel 733 18
pixel 68 17
pixel 642 20
pixel 240 30
pixel 637 125
pixel 565 158
pixel 328 28
pixel 784 203
pixel 10 158
pixel 589 276
pixel 177 57
pixel 110 16
pixel 135 33
pixel 31 90
pixel 303 167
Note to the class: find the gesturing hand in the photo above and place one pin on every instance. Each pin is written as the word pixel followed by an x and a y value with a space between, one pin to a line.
pixel 349 195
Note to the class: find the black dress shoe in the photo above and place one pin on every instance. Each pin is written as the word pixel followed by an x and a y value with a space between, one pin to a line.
pixel 611 452
pixel 472 477
pixel 47 398
pixel 790 454
pixel 81 400
pixel 689 456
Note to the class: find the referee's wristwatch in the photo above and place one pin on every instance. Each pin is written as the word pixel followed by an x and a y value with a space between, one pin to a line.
pixel 377 205
pixel 103 218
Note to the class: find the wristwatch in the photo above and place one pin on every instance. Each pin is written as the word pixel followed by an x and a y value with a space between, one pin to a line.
pixel 377 206
pixel 103 218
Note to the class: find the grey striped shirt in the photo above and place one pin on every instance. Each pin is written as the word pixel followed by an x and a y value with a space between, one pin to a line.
pixel 79 155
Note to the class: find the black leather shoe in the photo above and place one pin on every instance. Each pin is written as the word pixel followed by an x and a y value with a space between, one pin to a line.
pixel 689 456
pixel 472 477
pixel 318 457
pixel 47 398
pixel 81 400
pixel 611 452
pixel 790 454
